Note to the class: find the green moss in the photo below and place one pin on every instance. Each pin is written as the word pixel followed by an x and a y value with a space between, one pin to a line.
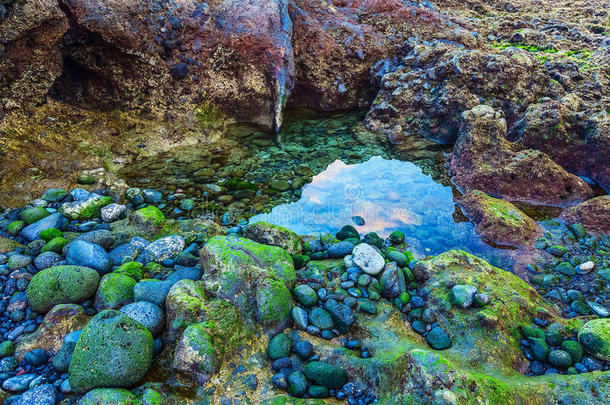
pixel 33 214
pixel 54 245
pixel 237 184
pixel 131 269
pixel 150 216
pixel 15 227
pixel 115 290
pixel 273 302
pixel 226 325
pixel 61 285
pixel 109 396
pixel 50 233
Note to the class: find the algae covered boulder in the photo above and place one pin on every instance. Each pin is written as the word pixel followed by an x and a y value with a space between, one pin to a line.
pixel 594 336
pixel 247 274
pixel 61 285
pixel 325 374
pixel 148 218
pixel 109 396
pixel 33 214
pixel 499 221
pixel 196 357
pixel 113 351
pixel 185 304
pixel 115 290
pixel 274 235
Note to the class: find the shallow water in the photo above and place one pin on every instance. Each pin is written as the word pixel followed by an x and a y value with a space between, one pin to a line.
pixel 389 195
pixel 332 169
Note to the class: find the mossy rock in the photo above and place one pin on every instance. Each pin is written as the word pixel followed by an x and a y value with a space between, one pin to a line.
pixel 234 268
pixel 109 396
pixel 273 303
pixel 61 285
pixel 134 270
pixel 594 337
pixel 51 233
pixel 15 227
pixel 274 235
pixel 115 290
pixel 196 357
pixel 55 245
pixel 150 218
pixel 8 245
pixel 33 214
pixel 492 338
pixel 325 374
pixel 85 209
pixel 110 335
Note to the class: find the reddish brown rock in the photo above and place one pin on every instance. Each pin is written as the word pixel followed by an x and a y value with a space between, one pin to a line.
pixel 594 214
pixel 231 56
pixel 483 159
pixel 498 221
pixel 573 136
pixel 30 58
pixel 57 323
pixel 337 42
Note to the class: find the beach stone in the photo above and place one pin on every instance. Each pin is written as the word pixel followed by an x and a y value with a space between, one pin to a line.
pixel 87 254
pixel 44 394
pixel 320 318
pixel 368 259
pixel 341 249
pixel 114 291
pixel 110 335
pixel 559 359
pixel 152 291
pixel 392 281
pixel 108 396
pixel 32 232
pixel 296 384
pixel 34 214
pixel 146 313
pixel 196 358
pixel 279 346
pixel 306 295
pixel 85 209
pixel 299 316
pixel 438 339
pixel 162 249
pixel 112 212
pixel 274 235
pixel 348 232
pixel 325 374
pixel 462 296
pixel 61 285
pixel 594 336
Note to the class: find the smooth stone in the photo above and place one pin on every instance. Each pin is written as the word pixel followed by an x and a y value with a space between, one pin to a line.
pixel 87 254
pixel 306 295
pixel 462 295
pixel 55 220
pixel 368 259
pixel 438 339
pixel 321 319
pixel 146 313
pixel 152 291
pixel 299 316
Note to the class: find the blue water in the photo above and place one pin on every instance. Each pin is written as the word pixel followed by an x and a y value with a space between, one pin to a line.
pixel 389 195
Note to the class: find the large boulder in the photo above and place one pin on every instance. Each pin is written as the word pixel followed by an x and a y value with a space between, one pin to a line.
pixel 274 235
pixel 31 58
pixel 483 159
pixel 594 214
pixel 113 336
pixel 594 336
pixel 228 56
pixel 83 253
pixel 85 209
pixel 61 285
pixel 255 277
pixel 498 221
pixel 196 358
pixel 570 133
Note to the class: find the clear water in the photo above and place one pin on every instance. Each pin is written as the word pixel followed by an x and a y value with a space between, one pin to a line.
pixel 389 195
pixel 336 170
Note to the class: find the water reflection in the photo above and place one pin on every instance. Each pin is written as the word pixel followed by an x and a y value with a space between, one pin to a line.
pixel 389 195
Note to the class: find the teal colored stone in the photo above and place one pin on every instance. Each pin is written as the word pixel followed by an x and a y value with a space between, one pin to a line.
pixel 566 269
pixel 557 250
pixel 397 237
pixel 539 348
pixel 348 232
pixel 306 295
pixel 398 257
pixel 574 349
pixel 279 346
pixel 559 359
pixel 325 374
pixel 438 339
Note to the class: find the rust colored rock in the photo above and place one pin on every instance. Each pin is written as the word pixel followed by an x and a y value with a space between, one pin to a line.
pixel 337 42
pixel 594 214
pixel 498 221
pixel 572 136
pixel 234 57
pixel 30 59
pixel 483 159
pixel 57 323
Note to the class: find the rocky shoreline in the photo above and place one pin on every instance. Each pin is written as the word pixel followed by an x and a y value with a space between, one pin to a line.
pixel 189 303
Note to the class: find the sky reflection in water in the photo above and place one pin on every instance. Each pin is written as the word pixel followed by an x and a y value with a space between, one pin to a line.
pixel 390 195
